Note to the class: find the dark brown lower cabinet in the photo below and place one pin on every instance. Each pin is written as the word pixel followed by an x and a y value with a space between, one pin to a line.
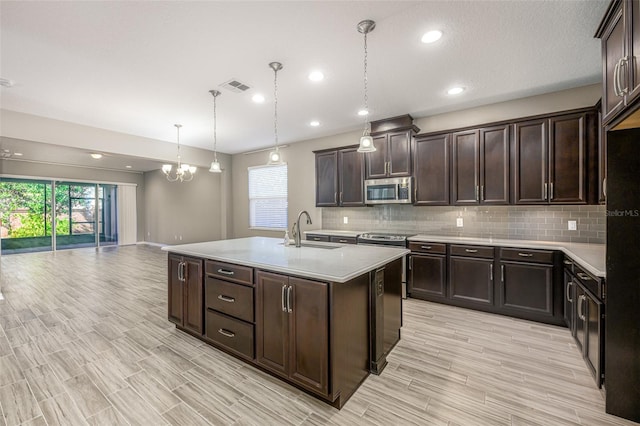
pixel 589 326
pixel 292 329
pixel 526 288
pixel 471 280
pixel 185 297
pixel 569 301
pixel 427 276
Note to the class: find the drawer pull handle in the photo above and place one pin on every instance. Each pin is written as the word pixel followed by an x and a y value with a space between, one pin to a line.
pixel 225 272
pixel 342 241
pixel 568 262
pixel 426 247
pixel 525 254
pixel 471 250
pixel 226 298
pixel 226 333
pixel 583 276
pixel 316 238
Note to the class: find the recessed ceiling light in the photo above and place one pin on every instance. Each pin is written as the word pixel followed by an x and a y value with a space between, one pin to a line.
pixel 363 112
pixel 316 76
pixel 257 98
pixel 17 154
pixel 431 36
pixel 5 82
pixel 128 167
pixel 96 156
pixel 314 123
pixel 455 90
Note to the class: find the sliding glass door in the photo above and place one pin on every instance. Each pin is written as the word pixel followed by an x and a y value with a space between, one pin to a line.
pixel 85 215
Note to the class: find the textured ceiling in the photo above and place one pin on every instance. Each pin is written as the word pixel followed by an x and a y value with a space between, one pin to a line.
pixel 138 67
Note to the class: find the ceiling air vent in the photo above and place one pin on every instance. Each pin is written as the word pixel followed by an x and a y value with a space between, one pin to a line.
pixel 235 86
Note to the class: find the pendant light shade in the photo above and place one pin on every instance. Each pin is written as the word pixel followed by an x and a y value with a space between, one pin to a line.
pixel 275 157
pixel 215 165
pixel 366 141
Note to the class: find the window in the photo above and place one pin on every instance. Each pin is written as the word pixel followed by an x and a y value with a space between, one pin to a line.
pixel 268 200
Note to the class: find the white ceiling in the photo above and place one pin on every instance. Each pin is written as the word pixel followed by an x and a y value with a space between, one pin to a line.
pixel 138 67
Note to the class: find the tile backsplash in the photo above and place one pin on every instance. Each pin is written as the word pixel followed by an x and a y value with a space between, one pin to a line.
pixel 548 223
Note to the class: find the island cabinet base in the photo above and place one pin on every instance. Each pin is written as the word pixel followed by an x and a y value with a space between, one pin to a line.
pixel 321 337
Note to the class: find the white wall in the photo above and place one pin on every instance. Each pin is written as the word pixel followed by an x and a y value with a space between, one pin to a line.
pixel 301 160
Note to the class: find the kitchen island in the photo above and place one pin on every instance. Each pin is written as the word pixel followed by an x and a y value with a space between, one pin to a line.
pixel 321 316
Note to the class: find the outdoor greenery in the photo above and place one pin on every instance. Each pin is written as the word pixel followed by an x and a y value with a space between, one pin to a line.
pixel 25 207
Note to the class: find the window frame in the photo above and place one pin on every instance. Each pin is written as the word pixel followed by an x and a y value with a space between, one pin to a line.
pixel 249 198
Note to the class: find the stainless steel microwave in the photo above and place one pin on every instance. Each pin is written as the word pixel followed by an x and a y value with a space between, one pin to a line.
pixel 388 191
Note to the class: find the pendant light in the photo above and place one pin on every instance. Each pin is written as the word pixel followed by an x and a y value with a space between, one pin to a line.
pixel 366 141
pixel 275 158
pixel 184 172
pixel 215 165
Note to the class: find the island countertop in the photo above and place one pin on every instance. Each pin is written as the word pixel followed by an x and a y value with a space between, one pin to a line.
pixel 334 262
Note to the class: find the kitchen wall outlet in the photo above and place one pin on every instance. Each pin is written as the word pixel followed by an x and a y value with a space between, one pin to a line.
pixel 459 222
pixel 572 225
pixel 175 237
pixel 180 237
pixel 345 219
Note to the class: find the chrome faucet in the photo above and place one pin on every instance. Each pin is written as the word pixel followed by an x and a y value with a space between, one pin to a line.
pixel 297 234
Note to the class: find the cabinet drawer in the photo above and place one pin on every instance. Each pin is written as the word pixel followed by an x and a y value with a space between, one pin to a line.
pixel 342 240
pixel 526 255
pixel 428 247
pixel 472 251
pixel 317 237
pixel 591 283
pixel 232 299
pixel 229 272
pixel 232 333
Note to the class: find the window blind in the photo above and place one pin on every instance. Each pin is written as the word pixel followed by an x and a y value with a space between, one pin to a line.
pixel 268 198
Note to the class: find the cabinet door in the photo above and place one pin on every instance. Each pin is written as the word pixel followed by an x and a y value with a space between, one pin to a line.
pixel 309 331
pixel 351 177
pixel 526 288
pixel 272 323
pixel 428 277
pixel 327 179
pixel 399 155
pixel 580 318
pixel 613 49
pixel 633 48
pixel 595 333
pixel 194 300
pixel 531 162
pixel 176 290
pixel 465 187
pixel 569 304
pixel 471 280
pixel 568 160
pixel 431 171
pixel 376 162
pixel 494 165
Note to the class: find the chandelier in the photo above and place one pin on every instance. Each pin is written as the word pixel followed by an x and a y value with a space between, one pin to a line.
pixel 183 172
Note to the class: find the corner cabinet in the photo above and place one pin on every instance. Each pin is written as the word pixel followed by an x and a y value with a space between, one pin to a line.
pixel 292 329
pixel 340 178
pixel 185 297
pixel 620 36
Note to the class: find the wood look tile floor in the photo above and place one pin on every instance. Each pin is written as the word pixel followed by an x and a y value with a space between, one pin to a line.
pixel 84 339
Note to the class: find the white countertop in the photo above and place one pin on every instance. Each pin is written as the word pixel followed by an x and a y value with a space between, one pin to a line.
pixel 335 232
pixel 340 264
pixel 589 256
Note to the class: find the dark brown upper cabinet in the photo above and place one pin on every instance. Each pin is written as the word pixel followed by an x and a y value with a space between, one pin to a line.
pixel 340 178
pixel 480 166
pixel 431 170
pixel 620 35
pixel 551 159
pixel 392 138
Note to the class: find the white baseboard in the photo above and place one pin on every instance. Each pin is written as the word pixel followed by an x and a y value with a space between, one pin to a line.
pixel 152 244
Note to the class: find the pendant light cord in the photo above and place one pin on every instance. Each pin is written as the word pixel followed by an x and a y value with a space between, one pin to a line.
pixel 366 98
pixel 215 138
pixel 275 106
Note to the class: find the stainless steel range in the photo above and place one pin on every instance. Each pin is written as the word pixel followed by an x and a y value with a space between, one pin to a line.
pixel 388 239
